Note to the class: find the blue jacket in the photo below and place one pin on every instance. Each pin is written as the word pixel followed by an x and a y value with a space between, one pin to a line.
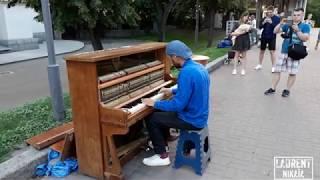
pixel 191 98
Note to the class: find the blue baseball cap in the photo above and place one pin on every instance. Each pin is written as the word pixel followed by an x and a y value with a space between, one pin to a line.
pixel 178 48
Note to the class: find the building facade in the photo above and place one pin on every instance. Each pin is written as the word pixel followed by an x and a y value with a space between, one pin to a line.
pixel 18 28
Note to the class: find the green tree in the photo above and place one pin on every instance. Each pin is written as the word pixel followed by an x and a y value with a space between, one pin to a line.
pixel 91 15
pixel 313 7
pixel 212 6
pixel 163 9
pixel 158 11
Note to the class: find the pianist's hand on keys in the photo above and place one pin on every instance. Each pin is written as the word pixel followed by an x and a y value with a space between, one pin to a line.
pixel 149 101
pixel 166 91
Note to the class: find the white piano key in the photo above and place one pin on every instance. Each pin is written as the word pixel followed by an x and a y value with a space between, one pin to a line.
pixel 140 106
pixel 136 108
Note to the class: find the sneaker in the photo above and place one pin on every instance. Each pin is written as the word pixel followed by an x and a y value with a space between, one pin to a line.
pixel 285 93
pixel 273 69
pixel 269 91
pixel 156 160
pixel 243 72
pixel 258 67
pixel 234 72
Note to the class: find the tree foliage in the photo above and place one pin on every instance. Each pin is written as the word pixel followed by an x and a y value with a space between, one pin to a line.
pixel 313 7
pixel 91 15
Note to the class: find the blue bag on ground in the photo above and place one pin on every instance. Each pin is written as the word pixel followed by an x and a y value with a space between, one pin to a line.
pixel 226 43
pixel 57 168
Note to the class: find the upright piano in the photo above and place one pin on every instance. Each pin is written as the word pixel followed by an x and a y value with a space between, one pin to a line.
pixel 106 88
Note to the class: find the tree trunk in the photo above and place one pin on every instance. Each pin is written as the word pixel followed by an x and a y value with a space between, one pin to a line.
pixel 95 39
pixel 162 17
pixel 258 12
pixel 211 25
pixel 196 33
pixel 163 32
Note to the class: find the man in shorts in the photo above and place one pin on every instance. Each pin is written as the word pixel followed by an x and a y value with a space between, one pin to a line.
pixel 300 34
pixel 268 38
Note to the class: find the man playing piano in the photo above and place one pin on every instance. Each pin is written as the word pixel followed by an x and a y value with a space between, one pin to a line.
pixel 187 109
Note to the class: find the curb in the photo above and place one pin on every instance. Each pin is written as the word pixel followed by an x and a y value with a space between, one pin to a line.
pixel 22 166
pixel 42 56
pixel 216 63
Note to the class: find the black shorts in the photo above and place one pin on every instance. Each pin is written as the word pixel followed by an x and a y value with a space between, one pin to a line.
pixel 271 43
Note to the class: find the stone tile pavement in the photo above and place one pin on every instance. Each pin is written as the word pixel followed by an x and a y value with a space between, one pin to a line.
pixel 247 128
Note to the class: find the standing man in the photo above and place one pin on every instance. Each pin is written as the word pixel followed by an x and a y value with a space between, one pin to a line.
pixel 187 109
pixel 268 38
pixel 300 34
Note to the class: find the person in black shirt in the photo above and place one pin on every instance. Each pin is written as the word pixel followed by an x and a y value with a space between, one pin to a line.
pixel 268 38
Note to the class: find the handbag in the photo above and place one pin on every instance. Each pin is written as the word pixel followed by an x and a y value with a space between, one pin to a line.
pixel 296 51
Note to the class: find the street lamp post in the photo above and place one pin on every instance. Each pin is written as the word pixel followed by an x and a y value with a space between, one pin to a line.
pixel 53 67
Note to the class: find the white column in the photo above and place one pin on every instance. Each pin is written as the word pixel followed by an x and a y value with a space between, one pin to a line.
pixel 3 25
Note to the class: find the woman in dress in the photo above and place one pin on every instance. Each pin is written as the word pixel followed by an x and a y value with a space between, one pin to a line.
pixel 241 45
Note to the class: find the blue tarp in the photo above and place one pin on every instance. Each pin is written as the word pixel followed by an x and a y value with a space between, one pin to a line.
pixel 55 167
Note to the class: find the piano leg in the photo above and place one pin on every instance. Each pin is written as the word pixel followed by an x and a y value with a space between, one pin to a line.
pixel 113 166
pixel 113 177
pixel 113 170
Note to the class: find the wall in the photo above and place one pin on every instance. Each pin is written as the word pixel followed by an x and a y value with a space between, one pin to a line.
pixel 20 23
pixel 3 26
pixel 36 26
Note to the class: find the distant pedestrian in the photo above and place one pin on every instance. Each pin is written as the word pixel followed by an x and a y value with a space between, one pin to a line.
pixel 242 44
pixel 318 41
pixel 310 22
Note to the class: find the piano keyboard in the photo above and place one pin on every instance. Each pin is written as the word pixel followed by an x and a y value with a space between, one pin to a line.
pixel 140 106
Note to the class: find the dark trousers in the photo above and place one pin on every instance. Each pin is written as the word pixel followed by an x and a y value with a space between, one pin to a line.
pixel 158 124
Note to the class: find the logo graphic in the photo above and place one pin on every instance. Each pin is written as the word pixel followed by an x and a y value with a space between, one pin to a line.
pixel 293 168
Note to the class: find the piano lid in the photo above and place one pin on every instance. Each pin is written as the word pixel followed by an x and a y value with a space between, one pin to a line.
pixel 95 56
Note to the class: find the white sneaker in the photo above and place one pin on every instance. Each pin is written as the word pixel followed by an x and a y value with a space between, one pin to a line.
pixel 258 67
pixel 156 160
pixel 234 72
pixel 273 69
pixel 243 72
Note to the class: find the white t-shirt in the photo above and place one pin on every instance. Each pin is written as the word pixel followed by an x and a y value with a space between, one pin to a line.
pixel 254 23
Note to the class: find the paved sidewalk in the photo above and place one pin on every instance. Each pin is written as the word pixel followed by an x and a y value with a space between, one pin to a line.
pixel 61 47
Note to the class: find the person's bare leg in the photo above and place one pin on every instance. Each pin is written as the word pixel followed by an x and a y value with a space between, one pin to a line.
pixel 291 81
pixel 235 62
pixel 273 57
pixel 244 60
pixel 275 80
pixel 261 55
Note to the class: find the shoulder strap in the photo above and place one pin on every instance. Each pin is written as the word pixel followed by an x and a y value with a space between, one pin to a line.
pixel 290 33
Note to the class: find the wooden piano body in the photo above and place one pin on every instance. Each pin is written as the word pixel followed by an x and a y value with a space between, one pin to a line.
pixel 106 88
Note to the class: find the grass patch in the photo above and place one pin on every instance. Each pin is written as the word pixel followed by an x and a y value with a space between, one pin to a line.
pixel 24 122
pixel 188 38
